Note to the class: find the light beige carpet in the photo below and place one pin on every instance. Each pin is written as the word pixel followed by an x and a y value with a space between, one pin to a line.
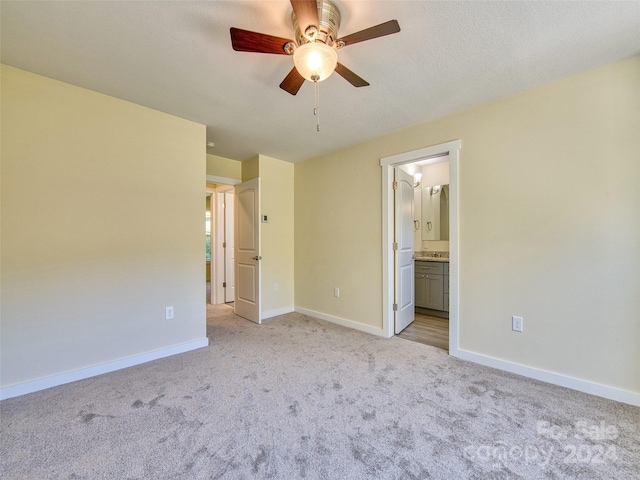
pixel 303 398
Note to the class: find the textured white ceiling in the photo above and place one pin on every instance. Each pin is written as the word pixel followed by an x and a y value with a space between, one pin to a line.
pixel 176 57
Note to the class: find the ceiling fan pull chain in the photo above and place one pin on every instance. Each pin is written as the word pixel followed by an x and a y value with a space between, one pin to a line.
pixel 316 109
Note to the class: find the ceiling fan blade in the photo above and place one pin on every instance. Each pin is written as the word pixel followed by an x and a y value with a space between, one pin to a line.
pixel 350 77
pixel 307 13
pixel 246 41
pixel 381 30
pixel 292 82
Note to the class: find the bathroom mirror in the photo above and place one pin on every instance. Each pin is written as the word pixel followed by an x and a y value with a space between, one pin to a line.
pixel 435 212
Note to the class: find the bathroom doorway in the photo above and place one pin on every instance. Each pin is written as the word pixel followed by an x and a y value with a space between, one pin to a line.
pixel 388 163
pixel 430 198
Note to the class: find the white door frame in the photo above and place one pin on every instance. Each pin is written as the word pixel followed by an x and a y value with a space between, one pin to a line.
pixel 212 228
pixel 229 249
pixel 216 279
pixel 218 260
pixel 387 163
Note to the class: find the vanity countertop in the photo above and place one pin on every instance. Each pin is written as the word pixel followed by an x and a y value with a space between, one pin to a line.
pixel 432 259
pixel 442 257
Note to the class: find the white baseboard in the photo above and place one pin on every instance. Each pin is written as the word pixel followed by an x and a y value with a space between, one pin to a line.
pixel 343 321
pixel 600 390
pixel 275 313
pixel 585 386
pixel 67 377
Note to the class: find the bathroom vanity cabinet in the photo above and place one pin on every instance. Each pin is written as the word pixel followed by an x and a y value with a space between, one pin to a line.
pixel 432 285
pixel 446 287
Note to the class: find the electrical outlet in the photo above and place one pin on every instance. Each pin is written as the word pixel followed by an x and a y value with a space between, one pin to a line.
pixel 276 287
pixel 168 313
pixel 517 324
pixel 336 292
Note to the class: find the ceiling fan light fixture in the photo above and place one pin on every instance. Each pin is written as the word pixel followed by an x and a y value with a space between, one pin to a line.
pixel 315 61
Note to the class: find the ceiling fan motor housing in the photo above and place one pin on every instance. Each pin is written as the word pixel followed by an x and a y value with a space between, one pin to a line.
pixel 329 19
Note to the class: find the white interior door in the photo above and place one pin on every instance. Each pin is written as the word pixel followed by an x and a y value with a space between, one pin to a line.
pixel 403 251
pixel 229 253
pixel 247 250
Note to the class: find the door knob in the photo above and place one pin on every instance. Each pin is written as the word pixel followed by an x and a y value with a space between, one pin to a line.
pixel 257 257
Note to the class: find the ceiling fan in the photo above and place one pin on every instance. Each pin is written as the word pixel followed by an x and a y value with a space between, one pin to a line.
pixel 314 50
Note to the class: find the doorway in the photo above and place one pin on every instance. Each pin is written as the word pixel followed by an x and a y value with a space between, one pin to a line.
pixel 220 243
pixel 207 233
pixel 429 322
pixel 388 231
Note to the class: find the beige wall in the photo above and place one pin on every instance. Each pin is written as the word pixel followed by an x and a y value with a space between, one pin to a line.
pixel 250 168
pixel 276 201
pixel 223 167
pixel 338 236
pixel 101 228
pixel 549 226
pixel 276 236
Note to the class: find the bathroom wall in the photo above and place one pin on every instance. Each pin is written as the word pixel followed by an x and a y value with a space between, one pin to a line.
pixel 436 174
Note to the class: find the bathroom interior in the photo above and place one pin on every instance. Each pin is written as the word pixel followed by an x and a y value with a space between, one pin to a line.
pixel 431 247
